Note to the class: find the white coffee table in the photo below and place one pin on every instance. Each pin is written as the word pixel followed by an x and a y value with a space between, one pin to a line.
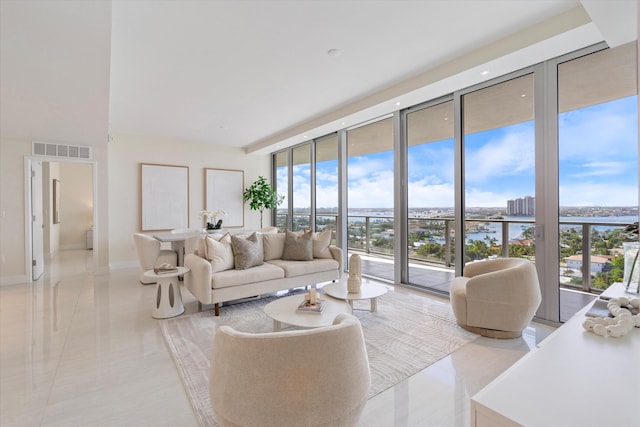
pixel 283 310
pixel 368 290
pixel 168 297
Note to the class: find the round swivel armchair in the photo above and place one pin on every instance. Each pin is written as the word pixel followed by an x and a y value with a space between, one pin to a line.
pixel 150 255
pixel 313 377
pixel 496 298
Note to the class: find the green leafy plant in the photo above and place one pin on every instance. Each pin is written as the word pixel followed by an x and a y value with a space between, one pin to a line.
pixel 261 196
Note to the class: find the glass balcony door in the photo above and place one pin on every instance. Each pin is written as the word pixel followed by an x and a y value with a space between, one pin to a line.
pixel 370 197
pixel 430 195
pixel 499 170
pixel 598 171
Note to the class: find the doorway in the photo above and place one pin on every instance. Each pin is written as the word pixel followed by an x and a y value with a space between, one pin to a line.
pixel 59 211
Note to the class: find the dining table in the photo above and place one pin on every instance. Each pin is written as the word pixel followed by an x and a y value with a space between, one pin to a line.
pixel 177 241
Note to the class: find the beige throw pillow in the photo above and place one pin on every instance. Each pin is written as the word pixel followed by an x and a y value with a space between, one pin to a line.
pixel 273 245
pixel 298 246
pixel 247 252
pixel 219 252
pixel 321 243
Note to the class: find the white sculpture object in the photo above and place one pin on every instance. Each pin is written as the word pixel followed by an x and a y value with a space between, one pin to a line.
pixel 622 322
pixel 355 274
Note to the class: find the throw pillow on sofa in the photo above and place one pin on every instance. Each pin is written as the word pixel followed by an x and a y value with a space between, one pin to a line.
pixel 321 243
pixel 219 252
pixel 247 252
pixel 298 246
pixel 273 245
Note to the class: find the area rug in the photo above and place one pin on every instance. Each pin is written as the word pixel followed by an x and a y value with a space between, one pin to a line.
pixel 407 334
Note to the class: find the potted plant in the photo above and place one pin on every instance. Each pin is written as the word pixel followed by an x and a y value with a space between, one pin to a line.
pixel 261 196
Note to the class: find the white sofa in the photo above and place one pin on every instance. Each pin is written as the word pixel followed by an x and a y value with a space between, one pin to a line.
pixel 213 278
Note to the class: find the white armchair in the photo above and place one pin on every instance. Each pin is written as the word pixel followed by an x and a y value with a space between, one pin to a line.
pixel 313 377
pixel 150 255
pixel 496 298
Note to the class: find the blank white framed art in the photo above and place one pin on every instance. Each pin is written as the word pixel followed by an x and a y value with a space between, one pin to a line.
pixel 164 197
pixel 223 191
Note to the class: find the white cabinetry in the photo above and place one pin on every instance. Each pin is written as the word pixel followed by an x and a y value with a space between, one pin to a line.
pixel 573 378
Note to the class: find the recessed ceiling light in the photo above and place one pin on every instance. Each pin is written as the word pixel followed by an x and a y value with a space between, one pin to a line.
pixel 334 53
pixel 446 118
pixel 306 137
pixel 523 95
pixel 485 72
pixel 397 103
pixel 343 123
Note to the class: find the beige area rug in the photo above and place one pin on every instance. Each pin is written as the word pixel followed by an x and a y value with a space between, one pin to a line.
pixel 406 334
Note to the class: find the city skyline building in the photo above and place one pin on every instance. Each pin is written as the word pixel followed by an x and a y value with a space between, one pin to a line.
pixel 522 206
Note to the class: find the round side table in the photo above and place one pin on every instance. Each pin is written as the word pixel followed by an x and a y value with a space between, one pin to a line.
pixel 368 290
pixel 168 297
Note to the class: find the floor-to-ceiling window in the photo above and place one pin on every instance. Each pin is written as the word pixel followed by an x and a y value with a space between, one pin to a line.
pixel 281 172
pixel 484 153
pixel 327 186
pixel 301 186
pixel 370 183
pixel 499 170
pixel 430 195
pixel 598 169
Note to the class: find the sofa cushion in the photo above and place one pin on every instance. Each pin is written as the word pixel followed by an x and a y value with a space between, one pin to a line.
pixel 260 273
pixel 298 246
pixel 321 243
pixel 218 251
pixel 247 252
pixel 300 268
pixel 273 245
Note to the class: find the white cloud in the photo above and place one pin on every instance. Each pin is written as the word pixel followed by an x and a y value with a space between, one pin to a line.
pixel 600 132
pixel 601 169
pixel 372 191
pixel 509 155
pixel 598 194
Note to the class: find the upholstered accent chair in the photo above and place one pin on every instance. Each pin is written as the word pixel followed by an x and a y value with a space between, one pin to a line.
pixel 496 298
pixel 313 377
pixel 150 255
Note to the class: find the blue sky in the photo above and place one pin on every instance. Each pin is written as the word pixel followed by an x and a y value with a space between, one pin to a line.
pixel 598 166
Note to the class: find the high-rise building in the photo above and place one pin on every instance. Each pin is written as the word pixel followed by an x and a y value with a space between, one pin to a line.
pixel 521 206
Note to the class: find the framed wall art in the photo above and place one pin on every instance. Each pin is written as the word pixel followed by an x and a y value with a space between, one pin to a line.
pixel 164 197
pixel 223 191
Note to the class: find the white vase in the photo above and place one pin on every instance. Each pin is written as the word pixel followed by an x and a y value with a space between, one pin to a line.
pixel 631 266
pixel 355 274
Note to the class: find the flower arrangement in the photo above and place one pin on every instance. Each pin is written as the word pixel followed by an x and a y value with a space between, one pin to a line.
pixel 213 222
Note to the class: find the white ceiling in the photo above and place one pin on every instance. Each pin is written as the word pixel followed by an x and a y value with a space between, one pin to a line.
pixel 255 74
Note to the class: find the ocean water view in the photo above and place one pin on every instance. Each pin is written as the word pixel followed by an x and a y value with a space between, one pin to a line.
pixel 490 226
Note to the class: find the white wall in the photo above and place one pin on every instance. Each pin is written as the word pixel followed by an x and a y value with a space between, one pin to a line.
pixel 12 216
pixel 126 152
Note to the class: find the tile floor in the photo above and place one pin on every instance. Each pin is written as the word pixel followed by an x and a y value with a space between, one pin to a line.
pixel 83 350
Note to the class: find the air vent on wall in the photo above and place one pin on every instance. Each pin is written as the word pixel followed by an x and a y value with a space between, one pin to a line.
pixel 61 150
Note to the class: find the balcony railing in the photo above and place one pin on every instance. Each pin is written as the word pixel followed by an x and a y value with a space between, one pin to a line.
pixel 374 235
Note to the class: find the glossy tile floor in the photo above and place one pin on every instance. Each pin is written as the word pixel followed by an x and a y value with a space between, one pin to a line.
pixel 83 350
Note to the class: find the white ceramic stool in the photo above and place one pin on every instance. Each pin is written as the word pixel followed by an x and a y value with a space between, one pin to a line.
pixel 168 297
